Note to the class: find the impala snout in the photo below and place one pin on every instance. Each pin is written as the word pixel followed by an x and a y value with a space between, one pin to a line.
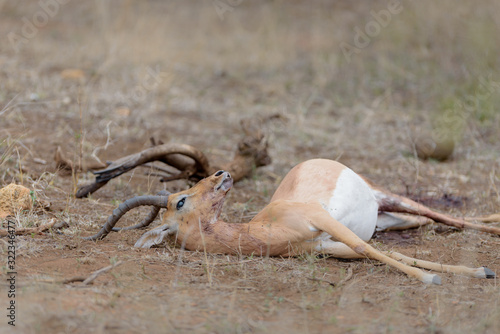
pixel 226 181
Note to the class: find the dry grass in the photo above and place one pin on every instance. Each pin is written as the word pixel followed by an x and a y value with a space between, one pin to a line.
pixel 178 72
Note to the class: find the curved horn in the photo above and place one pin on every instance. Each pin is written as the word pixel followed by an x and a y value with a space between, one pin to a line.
pixel 157 201
pixel 148 220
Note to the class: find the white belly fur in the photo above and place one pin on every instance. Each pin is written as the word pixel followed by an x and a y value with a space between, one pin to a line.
pixel 354 205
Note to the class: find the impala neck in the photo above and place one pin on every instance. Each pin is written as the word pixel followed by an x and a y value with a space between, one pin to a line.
pixel 220 237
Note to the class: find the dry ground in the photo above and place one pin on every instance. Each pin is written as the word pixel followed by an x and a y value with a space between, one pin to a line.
pixel 180 72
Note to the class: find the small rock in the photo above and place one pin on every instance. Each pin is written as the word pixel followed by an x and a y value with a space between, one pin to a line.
pixel 429 148
pixel 14 198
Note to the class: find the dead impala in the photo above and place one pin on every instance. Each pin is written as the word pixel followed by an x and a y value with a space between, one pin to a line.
pixel 320 206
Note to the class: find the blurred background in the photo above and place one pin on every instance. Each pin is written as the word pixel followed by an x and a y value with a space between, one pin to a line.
pixel 356 80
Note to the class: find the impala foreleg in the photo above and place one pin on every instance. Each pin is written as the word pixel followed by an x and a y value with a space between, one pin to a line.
pixel 494 218
pixel 481 272
pixel 321 220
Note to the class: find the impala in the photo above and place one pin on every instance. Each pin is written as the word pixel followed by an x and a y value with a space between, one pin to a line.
pixel 321 206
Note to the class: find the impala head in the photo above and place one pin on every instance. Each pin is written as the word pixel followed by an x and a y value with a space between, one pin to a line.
pixel 203 201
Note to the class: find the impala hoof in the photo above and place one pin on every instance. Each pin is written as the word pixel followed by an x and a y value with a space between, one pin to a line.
pixel 432 279
pixel 488 273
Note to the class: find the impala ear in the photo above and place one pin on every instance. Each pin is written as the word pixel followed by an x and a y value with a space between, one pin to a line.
pixel 154 237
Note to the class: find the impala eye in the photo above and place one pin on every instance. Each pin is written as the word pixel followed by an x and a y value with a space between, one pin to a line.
pixel 180 204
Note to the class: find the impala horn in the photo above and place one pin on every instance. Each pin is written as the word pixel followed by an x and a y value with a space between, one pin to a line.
pixel 157 201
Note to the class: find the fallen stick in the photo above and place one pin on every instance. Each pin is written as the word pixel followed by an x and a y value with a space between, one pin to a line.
pixel 190 162
pixel 85 280
pixel 29 230
pixel 96 273
pixel 321 280
pixel 347 277
pixel 157 153
pixel 341 282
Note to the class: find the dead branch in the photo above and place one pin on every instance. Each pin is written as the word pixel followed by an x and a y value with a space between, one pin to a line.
pixel 85 280
pixel 321 280
pixel 29 230
pixel 71 280
pixel 65 164
pixel 199 165
pixel 96 273
pixel 192 164
pixel 339 283
pixel 347 277
pixel 250 153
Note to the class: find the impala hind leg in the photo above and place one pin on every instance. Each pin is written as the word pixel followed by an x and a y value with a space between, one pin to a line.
pixel 389 202
pixel 392 221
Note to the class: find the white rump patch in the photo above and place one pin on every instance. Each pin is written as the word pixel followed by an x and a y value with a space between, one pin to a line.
pixel 354 205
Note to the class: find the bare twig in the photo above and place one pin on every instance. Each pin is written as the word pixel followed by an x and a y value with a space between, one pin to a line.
pixel 85 280
pixel 341 282
pixel 63 163
pixel 96 273
pixel 347 277
pixel 71 280
pixel 190 162
pixel 321 280
pixel 200 166
pixel 29 230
